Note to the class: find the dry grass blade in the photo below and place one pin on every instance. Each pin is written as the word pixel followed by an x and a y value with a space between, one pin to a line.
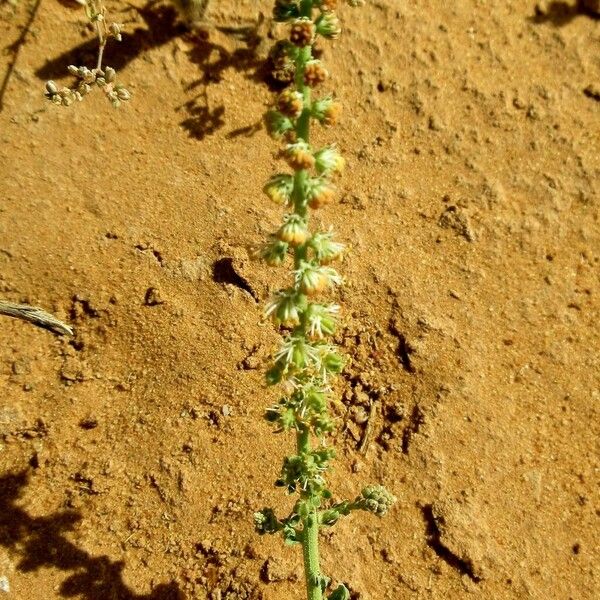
pixel 34 315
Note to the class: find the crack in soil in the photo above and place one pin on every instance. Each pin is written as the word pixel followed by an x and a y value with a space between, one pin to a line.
pixel 434 541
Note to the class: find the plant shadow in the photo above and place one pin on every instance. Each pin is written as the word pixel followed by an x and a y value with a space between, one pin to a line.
pixel 214 59
pixel 560 13
pixel 42 542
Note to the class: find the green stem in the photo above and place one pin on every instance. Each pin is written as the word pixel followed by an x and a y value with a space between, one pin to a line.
pixel 310 536
pixel 310 531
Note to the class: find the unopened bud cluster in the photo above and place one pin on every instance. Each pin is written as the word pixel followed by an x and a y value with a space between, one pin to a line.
pixel 307 360
pixel 87 78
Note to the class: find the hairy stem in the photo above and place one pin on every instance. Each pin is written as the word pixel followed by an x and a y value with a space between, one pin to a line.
pixel 310 536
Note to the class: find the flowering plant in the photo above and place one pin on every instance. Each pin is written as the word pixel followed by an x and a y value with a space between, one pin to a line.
pixel 307 360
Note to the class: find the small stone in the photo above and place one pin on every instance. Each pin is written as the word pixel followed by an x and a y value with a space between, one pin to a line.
pixel 4 585
pixel 455 218
pixel 153 297
pixel 21 367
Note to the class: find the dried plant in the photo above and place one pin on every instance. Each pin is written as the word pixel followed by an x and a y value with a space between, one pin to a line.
pixel 35 315
pixel 102 77
pixel 307 360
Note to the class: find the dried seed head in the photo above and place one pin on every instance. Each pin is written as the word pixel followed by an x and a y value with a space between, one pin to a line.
pixel 87 75
pixel 115 31
pixel 299 156
pixel 290 103
pixel 122 93
pixel 315 73
pixel 328 25
pixel 110 74
pixel 51 87
pixel 303 32
pixel 84 88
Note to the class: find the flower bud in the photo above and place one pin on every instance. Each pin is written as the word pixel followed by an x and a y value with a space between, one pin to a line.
pixel 265 521
pixel 332 363
pixel 326 111
pixel 286 307
pixel 274 252
pixel 375 499
pixel 287 419
pixel 294 230
pixel 51 87
pixel 321 320
pixel 302 32
pixel 277 124
pixel 328 25
pixel 279 188
pixel 315 400
pixel 320 193
pixel 299 156
pixel 100 81
pixel 290 103
pixel 314 279
pixel 73 70
pixel 275 374
pixel 314 73
pixel 329 161
pixel 325 249
pixel 322 424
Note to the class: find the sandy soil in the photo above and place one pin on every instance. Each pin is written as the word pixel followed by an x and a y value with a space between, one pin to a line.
pixel 133 456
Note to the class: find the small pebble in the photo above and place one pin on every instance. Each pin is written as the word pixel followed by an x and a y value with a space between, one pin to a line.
pixel 4 585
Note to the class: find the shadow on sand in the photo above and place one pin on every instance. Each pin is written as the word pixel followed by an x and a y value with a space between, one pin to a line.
pixel 38 542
